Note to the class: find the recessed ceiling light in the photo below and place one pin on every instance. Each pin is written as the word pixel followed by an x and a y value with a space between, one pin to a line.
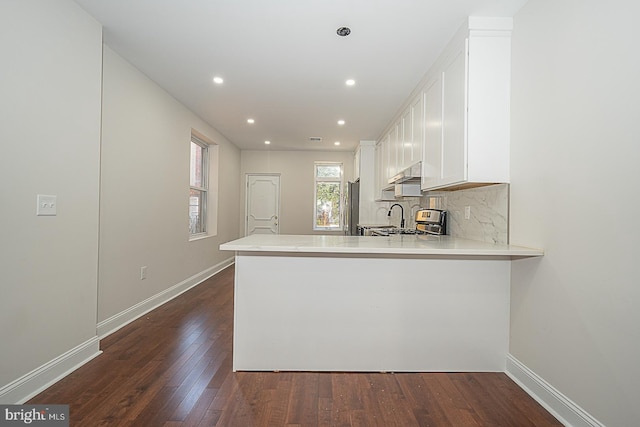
pixel 350 82
pixel 340 122
pixel 218 80
pixel 251 121
pixel 267 142
pixel 336 143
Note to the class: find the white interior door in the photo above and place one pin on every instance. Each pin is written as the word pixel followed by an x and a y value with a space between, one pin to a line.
pixel 263 204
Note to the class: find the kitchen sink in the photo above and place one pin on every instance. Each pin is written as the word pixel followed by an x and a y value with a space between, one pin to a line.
pixel 402 231
pixel 392 231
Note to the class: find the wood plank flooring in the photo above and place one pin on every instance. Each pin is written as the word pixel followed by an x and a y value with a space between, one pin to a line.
pixel 172 368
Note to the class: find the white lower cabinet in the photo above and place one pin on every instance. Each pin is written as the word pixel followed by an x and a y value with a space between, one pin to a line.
pixel 393 318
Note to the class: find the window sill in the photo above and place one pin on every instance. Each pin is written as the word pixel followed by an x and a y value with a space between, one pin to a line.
pixel 202 236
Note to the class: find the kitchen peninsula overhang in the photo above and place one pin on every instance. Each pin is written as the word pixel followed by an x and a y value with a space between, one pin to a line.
pixel 372 304
pixel 416 245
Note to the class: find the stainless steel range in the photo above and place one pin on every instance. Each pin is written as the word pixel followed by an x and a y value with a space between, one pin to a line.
pixel 431 221
pixel 428 221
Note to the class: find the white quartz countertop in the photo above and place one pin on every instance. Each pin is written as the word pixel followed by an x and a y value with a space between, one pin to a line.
pixel 409 244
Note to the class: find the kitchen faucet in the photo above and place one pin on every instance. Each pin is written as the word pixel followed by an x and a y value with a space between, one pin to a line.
pixel 401 212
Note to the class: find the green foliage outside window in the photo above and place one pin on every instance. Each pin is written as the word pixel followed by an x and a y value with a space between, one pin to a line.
pixel 328 204
pixel 328 192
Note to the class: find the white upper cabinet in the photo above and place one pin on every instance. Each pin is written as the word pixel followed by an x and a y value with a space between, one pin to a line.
pixel 453 120
pixel 412 121
pixel 401 147
pixel 457 120
pixel 432 149
pixel 366 161
pixel 379 169
pixel 406 144
pixel 386 158
pixel 394 150
pixel 382 165
pixel 417 130
pixel 467 108
pixel 356 164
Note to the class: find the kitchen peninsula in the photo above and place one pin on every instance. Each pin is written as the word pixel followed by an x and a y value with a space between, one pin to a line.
pixel 352 303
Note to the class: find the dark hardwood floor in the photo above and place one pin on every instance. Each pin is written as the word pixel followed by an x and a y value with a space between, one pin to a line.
pixel 172 368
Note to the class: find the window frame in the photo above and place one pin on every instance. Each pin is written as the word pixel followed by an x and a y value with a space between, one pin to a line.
pixel 316 181
pixel 203 189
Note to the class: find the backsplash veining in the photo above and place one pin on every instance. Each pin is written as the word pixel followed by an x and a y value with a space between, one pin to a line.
pixel 489 208
pixel 488 222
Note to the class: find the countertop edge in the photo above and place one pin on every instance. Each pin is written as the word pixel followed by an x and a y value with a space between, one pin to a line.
pixel 482 250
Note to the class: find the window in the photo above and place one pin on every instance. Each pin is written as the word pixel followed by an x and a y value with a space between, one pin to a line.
pixel 327 196
pixel 199 187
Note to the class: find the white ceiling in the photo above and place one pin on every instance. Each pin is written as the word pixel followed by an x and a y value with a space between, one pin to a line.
pixel 283 63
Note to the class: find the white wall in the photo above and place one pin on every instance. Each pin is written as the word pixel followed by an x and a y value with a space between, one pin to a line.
pixel 296 183
pixel 575 155
pixel 51 55
pixel 145 188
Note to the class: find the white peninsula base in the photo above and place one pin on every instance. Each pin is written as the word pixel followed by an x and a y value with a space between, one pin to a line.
pixel 370 312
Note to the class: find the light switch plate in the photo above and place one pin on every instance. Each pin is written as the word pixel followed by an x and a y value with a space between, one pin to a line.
pixel 47 205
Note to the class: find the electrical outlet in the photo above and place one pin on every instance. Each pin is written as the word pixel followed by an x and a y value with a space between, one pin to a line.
pixel 143 272
pixel 467 212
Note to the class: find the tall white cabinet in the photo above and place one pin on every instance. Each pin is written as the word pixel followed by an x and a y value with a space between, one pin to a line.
pixel 364 170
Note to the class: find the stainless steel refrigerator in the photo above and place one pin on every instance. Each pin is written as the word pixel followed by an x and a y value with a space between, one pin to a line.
pixel 351 208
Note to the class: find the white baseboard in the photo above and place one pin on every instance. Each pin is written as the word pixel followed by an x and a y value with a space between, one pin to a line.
pixel 560 406
pixel 117 321
pixel 27 386
pixel 34 382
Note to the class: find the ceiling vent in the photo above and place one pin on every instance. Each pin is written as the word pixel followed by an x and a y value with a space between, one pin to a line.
pixel 315 139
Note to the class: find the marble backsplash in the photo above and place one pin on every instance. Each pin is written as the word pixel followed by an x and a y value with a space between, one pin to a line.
pixel 489 212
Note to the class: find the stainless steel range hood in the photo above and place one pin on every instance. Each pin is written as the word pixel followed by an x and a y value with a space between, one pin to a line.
pixel 404 184
pixel 411 174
